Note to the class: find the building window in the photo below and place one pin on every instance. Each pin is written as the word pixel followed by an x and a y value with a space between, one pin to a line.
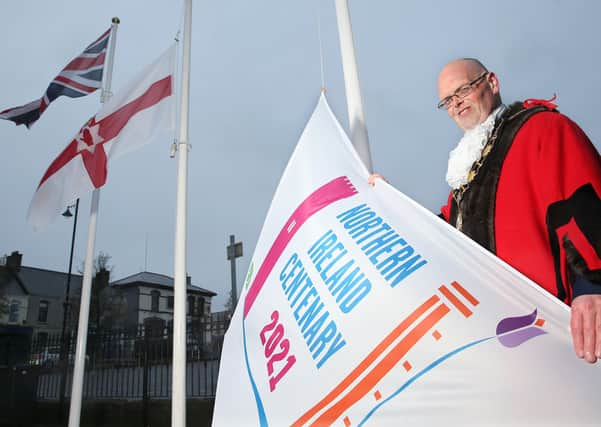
pixel 13 313
pixel 201 306
pixel 154 304
pixel 190 305
pixel 170 302
pixel 43 312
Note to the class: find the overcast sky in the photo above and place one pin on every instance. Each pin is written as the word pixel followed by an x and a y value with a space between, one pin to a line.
pixel 255 80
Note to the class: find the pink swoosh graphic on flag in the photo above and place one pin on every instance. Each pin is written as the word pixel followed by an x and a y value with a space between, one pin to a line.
pixel 337 189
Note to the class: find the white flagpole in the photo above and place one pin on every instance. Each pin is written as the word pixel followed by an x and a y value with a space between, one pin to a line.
pixel 86 286
pixel 178 395
pixel 354 101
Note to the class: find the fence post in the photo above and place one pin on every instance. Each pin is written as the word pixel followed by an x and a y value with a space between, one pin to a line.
pixel 145 381
pixel 12 373
pixel 64 372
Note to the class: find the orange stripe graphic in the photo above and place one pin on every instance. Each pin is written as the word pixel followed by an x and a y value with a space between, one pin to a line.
pixel 472 299
pixel 382 368
pixel 455 301
pixel 369 359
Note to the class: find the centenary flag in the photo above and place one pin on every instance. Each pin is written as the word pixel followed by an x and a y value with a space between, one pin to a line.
pixel 139 113
pixel 81 76
pixel 360 307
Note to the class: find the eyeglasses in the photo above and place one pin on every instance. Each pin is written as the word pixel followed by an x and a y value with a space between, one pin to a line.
pixel 461 92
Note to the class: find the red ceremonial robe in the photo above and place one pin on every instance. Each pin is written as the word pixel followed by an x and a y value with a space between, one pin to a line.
pixel 543 207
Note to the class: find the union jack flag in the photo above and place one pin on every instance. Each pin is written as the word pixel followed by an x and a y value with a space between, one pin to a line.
pixel 81 76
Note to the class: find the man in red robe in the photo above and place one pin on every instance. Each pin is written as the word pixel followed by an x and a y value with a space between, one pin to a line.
pixel 526 185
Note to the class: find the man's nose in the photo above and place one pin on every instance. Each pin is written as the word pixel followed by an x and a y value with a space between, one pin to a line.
pixel 456 101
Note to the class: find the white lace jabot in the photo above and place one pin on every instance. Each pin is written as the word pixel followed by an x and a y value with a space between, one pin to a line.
pixel 469 148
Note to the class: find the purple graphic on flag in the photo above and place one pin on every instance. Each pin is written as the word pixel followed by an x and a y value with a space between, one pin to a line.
pixel 513 331
pixel 80 77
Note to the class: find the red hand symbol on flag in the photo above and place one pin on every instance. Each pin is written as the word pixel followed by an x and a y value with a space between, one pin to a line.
pixel 90 146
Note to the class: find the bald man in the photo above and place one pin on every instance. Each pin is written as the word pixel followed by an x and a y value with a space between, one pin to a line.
pixel 525 183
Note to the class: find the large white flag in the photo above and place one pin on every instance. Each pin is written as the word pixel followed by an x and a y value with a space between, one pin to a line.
pixel 141 112
pixel 360 307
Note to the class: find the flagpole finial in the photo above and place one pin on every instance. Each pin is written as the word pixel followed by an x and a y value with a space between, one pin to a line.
pixel 116 20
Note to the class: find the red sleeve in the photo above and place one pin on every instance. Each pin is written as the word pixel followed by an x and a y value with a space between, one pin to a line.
pixel 547 209
pixel 574 175
pixel 446 209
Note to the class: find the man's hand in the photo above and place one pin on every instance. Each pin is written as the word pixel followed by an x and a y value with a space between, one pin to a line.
pixel 371 180
pixel 586 327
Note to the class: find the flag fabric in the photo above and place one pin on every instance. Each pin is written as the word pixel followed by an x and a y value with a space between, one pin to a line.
pixel 138 114
pixel 362 308
pixel 81 76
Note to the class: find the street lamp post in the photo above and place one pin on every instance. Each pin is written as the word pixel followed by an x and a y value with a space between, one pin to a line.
pixel 66 338
pixel 234 250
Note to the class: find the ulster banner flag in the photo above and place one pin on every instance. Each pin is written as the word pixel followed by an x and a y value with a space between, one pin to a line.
pixel 81 76
pixel 141 112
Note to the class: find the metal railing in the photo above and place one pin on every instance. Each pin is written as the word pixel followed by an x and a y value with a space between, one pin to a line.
pixel 130 364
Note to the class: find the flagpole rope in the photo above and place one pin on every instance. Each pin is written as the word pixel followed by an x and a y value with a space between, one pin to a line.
pixel 176 83
pixel 105 93
pixel 323 84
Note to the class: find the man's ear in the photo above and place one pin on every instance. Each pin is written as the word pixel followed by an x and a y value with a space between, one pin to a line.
pixel 493 82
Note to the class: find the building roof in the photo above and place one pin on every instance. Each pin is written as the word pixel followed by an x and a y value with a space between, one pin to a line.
pixel 47 283
pixel 155 280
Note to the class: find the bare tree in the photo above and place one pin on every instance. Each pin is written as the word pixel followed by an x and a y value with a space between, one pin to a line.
pixel 229 304
pixel 4 301
pixel 107 308
pixel 3 305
